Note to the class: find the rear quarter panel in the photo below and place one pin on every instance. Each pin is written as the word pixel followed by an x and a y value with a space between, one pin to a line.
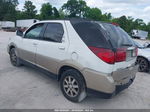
pixel 84 56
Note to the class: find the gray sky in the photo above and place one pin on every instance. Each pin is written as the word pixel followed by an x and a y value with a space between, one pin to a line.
pixel 134 8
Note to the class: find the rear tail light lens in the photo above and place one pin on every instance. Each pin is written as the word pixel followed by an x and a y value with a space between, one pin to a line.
pixel 108 55
pixel 120 55
pixel 136 51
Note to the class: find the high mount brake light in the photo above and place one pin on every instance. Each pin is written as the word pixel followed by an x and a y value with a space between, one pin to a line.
pixel 116 24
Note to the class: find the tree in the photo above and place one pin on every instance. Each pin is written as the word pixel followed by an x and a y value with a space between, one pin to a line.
pixel 106 17
pixel 139 24
pixel 82 8
pixel 55 13
pixel 61 14
pixel 46 11
pixel 128 23
pixel 14 2
pixel 20 15
pixel 122 21
pixel 8 9
pixel 75 8
pixel 148 29
pixel 29 10
pixel 93 13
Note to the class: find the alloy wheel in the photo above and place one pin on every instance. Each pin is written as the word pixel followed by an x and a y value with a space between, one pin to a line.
pixel 142 64
pixel 71 86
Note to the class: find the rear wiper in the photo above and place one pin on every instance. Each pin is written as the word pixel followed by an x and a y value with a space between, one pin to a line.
pixel 126 44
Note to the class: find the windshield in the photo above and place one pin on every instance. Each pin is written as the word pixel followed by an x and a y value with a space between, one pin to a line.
pixel 117 35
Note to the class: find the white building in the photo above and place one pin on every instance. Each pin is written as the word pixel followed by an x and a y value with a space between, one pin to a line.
pixel 7 24
pixel 25 23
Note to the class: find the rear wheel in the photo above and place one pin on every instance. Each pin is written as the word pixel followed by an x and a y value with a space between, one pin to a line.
pixel 73 86
pixel 143 64
pixel 15 61
pixel 148 46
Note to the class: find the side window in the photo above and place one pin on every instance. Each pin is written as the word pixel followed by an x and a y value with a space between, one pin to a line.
pixel 54 32
pixel 34 32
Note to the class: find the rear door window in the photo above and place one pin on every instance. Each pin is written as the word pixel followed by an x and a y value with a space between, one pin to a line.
pixel 54 32
pixel 91 34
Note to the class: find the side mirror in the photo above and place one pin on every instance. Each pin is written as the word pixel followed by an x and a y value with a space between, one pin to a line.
pixel 19 33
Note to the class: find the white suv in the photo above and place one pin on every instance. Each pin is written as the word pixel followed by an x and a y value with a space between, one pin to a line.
pixel 85 56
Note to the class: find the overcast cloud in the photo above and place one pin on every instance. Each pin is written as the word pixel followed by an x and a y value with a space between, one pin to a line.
pixel 134 8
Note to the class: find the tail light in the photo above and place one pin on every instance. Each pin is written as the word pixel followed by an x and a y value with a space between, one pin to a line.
pixel 136 51
pixel 108 55
pixel 120 55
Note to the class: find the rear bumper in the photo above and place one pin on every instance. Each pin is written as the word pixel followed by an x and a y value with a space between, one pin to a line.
pixel 122 76
pixel 118 89
pixel 110 84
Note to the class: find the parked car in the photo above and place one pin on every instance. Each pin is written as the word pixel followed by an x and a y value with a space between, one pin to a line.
pixel 143 58
pixel 85 56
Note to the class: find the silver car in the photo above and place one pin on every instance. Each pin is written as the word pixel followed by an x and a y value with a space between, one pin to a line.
pixel 85 56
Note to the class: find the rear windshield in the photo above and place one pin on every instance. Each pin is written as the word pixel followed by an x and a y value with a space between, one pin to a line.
pixel 103 35
pixel 117 35
pixel 91 34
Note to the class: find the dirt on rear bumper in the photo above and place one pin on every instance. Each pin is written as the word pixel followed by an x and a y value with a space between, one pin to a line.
pixel 118 89
pixel 122 76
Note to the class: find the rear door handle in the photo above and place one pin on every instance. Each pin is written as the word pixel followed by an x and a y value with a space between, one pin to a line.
pixel 62 48
pixel 35 44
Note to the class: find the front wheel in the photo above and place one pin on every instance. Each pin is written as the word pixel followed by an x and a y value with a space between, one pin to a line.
pixel 73 85
pixel 15 61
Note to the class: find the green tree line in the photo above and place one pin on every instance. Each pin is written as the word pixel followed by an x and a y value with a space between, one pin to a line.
pixel 73 8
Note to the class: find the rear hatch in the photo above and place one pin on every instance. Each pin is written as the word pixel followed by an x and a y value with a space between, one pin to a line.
pixel 120 40
pixel 108 42
pixel 125 68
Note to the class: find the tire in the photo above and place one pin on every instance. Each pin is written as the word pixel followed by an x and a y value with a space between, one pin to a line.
pixel 148 46
pixel 143 64
pixel 15 61
pixel 75 89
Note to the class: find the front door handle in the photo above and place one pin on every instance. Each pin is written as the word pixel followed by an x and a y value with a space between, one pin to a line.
pixel 62 48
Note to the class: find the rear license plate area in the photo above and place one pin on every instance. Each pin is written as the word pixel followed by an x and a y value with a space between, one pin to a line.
pixel 130 54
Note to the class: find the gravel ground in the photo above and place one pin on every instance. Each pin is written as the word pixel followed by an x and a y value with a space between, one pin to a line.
pixel 26 88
